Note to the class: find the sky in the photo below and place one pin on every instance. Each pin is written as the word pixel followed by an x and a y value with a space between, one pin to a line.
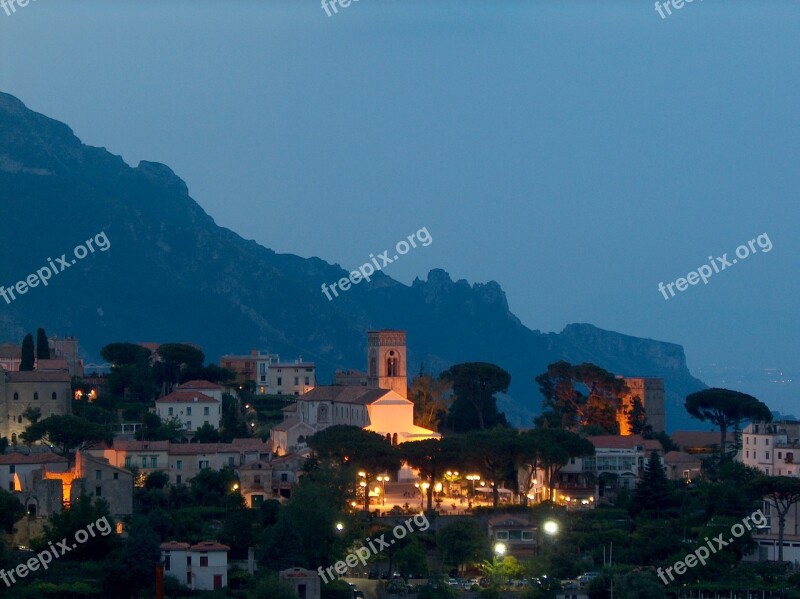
pixel 579 153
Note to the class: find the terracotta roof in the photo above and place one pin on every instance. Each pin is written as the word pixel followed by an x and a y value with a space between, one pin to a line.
pixel 39 377
pixel 616 441
pixel 210 546
pixel 201 448
pixel 250 444
pixel 653 445
pixel 141 445
pixel 187 397
pixel 288 424
pixel 199 385
pixel 679 457
pixel 19 459
pixel 684 439
pixel 344 394
pixel 292 365
pixel 174 546
pixel 291 408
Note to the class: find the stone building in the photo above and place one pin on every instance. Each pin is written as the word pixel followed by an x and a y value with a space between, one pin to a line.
pixel 47 390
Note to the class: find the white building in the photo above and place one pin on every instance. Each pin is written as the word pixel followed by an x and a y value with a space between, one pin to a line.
pixel 290 378
pixel 192 408
pixel 200 567
pixel 773 448
pixel 204 387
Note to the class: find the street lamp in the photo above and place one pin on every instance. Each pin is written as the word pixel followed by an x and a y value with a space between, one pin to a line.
pixel 339 526
pixel 382 479
pixel 500 549
pixel 551 527
pixel 472 478
pixel 235 487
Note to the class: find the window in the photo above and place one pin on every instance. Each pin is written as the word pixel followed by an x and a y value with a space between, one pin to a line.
pixel 780 455
pixel 747 440
pixel 204 561
pixel 154 461
pixel 205 412
pixel 188 425
pixel 766 453
pixel 98 475
pixel 36 395
pixel 301 591
pixel 309 370
pixel 747 453
pixel 178 479
pixel 170 412
pixel 230 461
pixel 54 396
pixel 128 461
pixel 144 461
pixel 19 419
pixel 205 422
pixel 501 535
pixel 12 469
pixel 16 395
pixel 98 492
pixel 257 479
pixel 296 380
pixel 167 562
pixel 188 560
pixel 308 381
pixel 280 381
pixel 189 411
pixel 179 465
pixel 203 464
pixel 116 476
pixel 284 477
pixel 527 535
pixel 766 441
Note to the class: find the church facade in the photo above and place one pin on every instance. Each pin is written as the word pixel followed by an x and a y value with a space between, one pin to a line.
pixel 382 406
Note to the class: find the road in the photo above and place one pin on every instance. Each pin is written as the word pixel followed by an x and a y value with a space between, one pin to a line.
pixel 370 587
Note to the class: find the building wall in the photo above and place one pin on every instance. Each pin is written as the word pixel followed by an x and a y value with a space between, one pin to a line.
pixel 651 392
pixel 192 415
pixel 291 379
pixel 12 423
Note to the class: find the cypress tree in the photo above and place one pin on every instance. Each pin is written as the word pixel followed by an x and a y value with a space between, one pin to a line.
pixel 42 345
pixel 26 364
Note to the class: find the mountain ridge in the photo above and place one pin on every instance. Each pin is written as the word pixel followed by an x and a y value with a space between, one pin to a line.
pixel 173 273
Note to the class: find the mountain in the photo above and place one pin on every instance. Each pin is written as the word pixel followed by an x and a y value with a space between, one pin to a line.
pixel 172 274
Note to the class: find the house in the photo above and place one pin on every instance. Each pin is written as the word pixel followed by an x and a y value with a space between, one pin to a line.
pixel 680 465
pixel 293 378
pixel 515 532
pixel 772 447
pixel 204 387
pixel 200 567
pixel 17 469
pixel 306 583
pixel 290 436
pixel 192 409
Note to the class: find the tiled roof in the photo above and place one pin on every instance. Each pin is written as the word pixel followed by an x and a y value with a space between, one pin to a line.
pixel 210 546
pixel 187 397
pixel 679 457
pixel 288 424
pixel 199 385
pixel 174 546
pixel 291 408
pixel 39 377
pixel 201 448
pixel 141 445
pixel 685 439
pixel 344 394
pixel 616 441
pixel 19 459
pixel 250 444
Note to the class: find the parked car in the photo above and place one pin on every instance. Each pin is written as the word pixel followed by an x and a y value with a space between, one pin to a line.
pixel 587 577
pixel 358 594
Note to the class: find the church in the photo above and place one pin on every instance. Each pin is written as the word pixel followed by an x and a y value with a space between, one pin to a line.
pixel 381 405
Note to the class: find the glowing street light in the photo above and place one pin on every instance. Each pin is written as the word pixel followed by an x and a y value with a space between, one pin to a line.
pixel 382 479
pixel 500 549
pixel 339 526
pixel 551 527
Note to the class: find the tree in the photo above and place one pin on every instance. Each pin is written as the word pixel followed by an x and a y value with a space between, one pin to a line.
pixel 527 460
pixel 556 448
pixel 125 354
pixel 563 386
pixel 653 495
pixel 727 409
pixel 637 417
pixel 232 424
pixel 781 492
pixel 430 397
pixel 28 359
pixel 207 434
pixel 154 429
pixel 11 510
pixel 131 371
pixel 32 414
pixel 461 542
pixel 493 454
pixel 431 457
pixel 177 358
pixel 475 385
pixel 67 433
pixel 42 345
pixel 354 448
pixel 82 512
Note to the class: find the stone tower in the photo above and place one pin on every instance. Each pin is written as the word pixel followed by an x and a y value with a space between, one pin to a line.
pixel 386 361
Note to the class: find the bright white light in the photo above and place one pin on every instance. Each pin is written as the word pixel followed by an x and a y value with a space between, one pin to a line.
pixel 500 548
pixel 551 527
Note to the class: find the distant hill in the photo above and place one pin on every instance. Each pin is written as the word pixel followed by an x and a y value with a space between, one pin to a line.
pixel 172 274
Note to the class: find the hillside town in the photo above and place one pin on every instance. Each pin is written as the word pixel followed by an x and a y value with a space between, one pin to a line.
pixel 252 476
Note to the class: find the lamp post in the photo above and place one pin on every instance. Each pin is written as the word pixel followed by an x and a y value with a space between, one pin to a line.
pixel 382 479
pixel 472 478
